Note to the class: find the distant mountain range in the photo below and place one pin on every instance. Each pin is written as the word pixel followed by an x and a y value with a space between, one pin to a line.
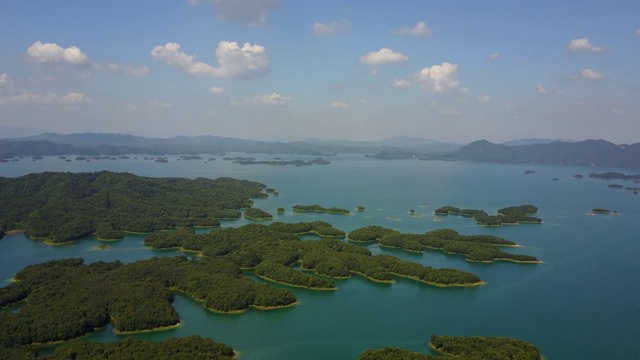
pixel 121 144
pixel 531 151
pixel 582 153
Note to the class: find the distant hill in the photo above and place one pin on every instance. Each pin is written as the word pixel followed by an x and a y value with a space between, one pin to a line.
pixel 120 144
pixel 582 153
pixel 531 141
pixel 11 148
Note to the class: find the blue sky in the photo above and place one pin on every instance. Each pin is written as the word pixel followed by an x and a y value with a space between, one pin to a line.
pixel 288 70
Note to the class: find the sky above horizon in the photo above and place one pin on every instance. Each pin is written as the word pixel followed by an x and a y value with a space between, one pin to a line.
pixel 454 71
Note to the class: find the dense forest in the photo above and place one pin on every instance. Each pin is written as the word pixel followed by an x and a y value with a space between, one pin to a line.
pixel 274 249
pixel 463 348
pixel 509 215
pixel 65 299
pixel 62 207
pixel 483 248
pixel 190 347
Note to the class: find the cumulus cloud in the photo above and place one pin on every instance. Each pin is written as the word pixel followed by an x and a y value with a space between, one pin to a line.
pixel 400 83
pixel 439 78
pixel 493 56
pixel 339 105
pixel 591 75
pixel 246 62
pixel 216 90
pixel 273 99
pixel 330 28
pixel 540 89
pixel 484 98
pixel 53 53
pixel 583 44
pixel 420 29
pixel 383 56
pixel 248 12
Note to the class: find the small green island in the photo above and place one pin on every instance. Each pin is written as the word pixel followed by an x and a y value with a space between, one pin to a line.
pixel 319 208
pixel 360 208
pixel 598 211
pixel 257 214
pixel 479 248
pixel 509 215
pixel 463 348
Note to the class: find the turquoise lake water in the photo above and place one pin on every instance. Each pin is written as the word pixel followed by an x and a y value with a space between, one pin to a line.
pixel 582 302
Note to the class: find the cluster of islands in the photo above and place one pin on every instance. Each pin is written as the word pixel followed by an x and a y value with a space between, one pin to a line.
pixel 62 300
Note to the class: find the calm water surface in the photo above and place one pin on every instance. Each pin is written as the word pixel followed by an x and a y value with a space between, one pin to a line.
pixel 582 302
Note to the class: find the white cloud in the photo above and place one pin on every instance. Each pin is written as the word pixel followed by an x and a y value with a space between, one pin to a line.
pixel 591 75
pixel 75 98
pixel 383 56
pixel 540 89
pixel 216 90
pixel 123 69
pixel 400 83
pixel 274 99
pixel 638 32
pixel 493 56
pixel 194 2
pixel 248 12
pixel 339 105
pixel 420 29
pixel 464 91
pixel 4 80
pixel 160 104
pixel 330 28
pixel 53 53
pixel 484 98
pixel 72 98
pixel 439 78
pixel 246 62
pixel 583 44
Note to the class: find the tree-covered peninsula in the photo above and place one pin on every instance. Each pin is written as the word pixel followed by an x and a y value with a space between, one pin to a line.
pixel 463 348
pixel 509 215
pixel 275 249
pixel 484 248
pixel 62 207
pixel 319 208
pixel 257 214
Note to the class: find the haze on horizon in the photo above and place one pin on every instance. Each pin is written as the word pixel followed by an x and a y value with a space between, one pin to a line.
pixel 357 70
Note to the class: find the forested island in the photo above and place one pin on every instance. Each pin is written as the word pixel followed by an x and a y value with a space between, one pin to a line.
pixel 62 207
pixel 319 208
pixel 463 348
pixel 509 215
pixel 614 176
pixel 273 250
pixel 482 248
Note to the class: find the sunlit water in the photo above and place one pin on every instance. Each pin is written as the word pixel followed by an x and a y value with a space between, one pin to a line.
pixel 582 302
